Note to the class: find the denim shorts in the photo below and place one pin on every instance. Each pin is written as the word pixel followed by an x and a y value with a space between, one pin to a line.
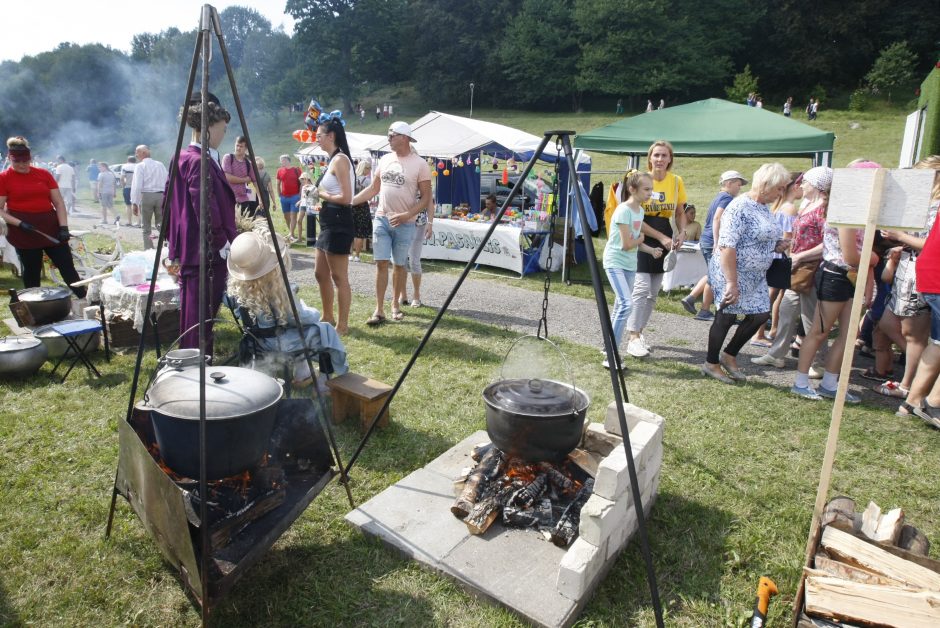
pixel 391 242
pixel 833 287
pixel 290 204
pixel 933 302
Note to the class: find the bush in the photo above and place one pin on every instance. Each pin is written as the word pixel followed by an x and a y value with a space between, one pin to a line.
pixel 744 84
pixel 858 101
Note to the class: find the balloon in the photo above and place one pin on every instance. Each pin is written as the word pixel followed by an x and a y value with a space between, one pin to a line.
pixel 446 172
pixel 477 169
pixel 440 165
pixel 434 173
pixel 460 163
pixel 304 136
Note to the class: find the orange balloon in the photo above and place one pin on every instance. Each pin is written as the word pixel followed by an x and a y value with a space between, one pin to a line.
pixel 446 172
pixel 303 136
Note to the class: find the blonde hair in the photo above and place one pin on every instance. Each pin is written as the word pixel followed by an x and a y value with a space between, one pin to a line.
pixel 649 154
pixel 260 162
pixel 769 176
pixel 780 202
pixel 931 162
pixel 361 168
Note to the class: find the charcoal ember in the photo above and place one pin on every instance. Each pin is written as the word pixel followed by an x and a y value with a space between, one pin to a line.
pixel 543 513
pixel 520 517
pixel 557 478
pixel 567 527
pixel 527 496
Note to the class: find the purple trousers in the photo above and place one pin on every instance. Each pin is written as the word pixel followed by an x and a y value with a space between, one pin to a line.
pixel 189 302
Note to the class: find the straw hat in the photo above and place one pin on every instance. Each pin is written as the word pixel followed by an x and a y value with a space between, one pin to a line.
pixel 252 256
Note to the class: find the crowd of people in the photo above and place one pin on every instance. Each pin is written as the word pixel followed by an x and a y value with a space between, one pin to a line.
pixel 785 277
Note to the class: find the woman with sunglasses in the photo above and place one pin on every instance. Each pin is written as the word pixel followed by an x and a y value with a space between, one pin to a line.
pixel 35 211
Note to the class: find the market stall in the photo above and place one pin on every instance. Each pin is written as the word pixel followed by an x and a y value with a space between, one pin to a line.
pixel 512 246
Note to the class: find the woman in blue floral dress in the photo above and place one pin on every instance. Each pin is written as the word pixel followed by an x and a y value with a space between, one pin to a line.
pixel 746 241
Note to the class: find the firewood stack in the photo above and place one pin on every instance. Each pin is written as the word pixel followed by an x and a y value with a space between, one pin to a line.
pixel 871 568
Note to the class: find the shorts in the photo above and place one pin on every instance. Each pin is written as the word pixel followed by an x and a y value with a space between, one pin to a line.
pixel 290 204
pixel 933 302
pixel 833 287
pixel 127 196
pixel 391 242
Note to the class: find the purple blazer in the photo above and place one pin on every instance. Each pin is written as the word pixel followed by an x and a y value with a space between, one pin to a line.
pixel 183 230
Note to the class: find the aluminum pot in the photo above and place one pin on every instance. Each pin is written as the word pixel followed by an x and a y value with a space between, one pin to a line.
pixel 241 409
pixel 21 355
pixel 47 305
pixel 57 346
pixel 535 419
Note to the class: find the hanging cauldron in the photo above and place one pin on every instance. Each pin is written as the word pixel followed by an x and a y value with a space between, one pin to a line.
pixel 535 417
pixel 241 408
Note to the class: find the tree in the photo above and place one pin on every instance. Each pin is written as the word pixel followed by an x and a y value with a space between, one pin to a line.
pixel 744 85
pixel 893 68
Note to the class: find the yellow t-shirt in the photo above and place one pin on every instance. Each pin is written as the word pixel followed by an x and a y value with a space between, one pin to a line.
pixel 666 195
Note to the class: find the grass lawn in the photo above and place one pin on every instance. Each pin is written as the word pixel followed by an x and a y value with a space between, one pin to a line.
pixel 738 483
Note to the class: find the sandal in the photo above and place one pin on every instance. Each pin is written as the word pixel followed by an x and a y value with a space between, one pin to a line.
pixel 929 414
pixel 761 342
pixel 397 315
pixel 872 374
pixel 906 410
pixel 375 320
pixel 891 389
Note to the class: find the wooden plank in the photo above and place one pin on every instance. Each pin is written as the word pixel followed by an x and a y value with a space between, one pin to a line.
pixel 855 551
pixel 876 604
pixel 870 518
pixel 826 566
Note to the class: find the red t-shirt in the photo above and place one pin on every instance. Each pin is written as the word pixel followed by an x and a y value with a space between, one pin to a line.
pixel 28 192
pixel 928 262
pixel 290 180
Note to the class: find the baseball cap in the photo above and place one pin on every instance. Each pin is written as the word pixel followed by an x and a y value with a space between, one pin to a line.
pixel 402 128
pixel 727 175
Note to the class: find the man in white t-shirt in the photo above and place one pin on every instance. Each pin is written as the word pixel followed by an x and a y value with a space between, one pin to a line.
pixel 402 181
pixel 65 177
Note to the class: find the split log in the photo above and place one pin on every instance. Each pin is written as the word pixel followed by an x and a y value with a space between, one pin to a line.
pixel 561 481
pixel 490 467
pixel 913 540
pixel 875 604
pixel 585 461
pixel 870 518
pixel 827 566
pixel 889 527
pixel 850 549
pixel 567 527
pixel 485 511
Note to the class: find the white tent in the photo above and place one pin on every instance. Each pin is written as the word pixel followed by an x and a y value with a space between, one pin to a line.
pixel 358 146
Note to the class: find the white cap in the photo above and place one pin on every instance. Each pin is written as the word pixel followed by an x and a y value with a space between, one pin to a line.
pixel 727 175
pixel 402 128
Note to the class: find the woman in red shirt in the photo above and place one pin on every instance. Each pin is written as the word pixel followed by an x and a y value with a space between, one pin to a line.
pixel 35 211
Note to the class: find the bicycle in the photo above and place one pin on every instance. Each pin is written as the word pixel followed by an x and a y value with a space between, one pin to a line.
pixel 99 254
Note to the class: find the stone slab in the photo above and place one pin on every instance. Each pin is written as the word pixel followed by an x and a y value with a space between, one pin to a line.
pixel 633 414
pixel 517 569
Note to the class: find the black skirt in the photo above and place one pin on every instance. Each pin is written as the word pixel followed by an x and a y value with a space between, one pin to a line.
pixel 336 229
pixel 362 220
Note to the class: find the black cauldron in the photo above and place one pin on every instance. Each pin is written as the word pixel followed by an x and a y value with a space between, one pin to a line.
pixel 535 419
pixel 47 305
pixel 241 409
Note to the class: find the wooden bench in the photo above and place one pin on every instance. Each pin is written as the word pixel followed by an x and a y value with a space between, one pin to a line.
pixel 355 394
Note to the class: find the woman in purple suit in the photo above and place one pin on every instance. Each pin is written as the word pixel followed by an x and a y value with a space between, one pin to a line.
pixel 183 231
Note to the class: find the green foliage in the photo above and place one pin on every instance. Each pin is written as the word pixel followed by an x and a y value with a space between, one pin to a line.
pixel 744 84
pixel 858 101
pixel 893 68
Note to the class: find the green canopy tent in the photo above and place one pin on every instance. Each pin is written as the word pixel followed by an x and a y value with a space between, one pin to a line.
pixel 715 128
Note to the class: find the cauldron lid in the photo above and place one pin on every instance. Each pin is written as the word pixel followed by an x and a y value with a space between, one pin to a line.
pixel 18 343
pixel 231 391
pixel 532 396
pixel 43 294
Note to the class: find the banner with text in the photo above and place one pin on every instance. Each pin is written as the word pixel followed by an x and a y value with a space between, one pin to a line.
pixel 456 240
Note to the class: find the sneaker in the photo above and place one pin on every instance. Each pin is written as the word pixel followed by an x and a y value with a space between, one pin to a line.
pixel 689 305
pixel 815 372
pixel 850 397
pixel 704 315
pixel 649 347
pixel 356 258
pixel 637 349
pixel 769 360
pixel 806 393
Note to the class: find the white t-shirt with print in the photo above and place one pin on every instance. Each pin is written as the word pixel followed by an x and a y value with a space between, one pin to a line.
pixel 400 177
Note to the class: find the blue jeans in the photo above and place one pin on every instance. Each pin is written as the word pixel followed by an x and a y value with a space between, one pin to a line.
pixel 622 282
pixel 933 301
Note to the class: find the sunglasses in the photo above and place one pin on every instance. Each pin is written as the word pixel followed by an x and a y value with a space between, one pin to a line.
pixel 391 135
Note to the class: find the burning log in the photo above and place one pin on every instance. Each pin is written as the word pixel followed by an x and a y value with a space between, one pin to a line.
pixel 567 527
pixel 486 510
pixel 480 450
pixel 489 468
pixel 526 496
pixel 561 481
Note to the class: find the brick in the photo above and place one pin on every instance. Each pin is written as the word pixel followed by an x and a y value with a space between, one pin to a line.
pixel 598 440
pixel 600 518
pixel 613 476
pixel 579 569
pixel 622 535
pixel 633 414
pixel 645 440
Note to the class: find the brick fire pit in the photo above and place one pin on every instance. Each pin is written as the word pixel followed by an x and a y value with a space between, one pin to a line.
pixel 519 568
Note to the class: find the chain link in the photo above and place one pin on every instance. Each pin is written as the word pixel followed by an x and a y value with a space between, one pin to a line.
pixel 543 322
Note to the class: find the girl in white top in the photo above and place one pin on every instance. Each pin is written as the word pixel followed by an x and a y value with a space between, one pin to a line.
pixel 336 222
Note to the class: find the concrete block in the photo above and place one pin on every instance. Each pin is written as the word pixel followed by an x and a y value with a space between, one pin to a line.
pixel 598 440
pixel 645 439
pixel 580 568
pixel 633 414
pixel 613 475
pixel 600 518
pixel 623 534
pixel 652 466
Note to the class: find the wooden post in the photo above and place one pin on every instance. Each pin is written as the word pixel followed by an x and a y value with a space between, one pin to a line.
pixel 825 476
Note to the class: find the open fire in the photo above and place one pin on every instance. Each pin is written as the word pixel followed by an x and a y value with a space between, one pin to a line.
pixel 544 496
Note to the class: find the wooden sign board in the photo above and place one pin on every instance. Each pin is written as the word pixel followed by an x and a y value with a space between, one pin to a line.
pixel 904 201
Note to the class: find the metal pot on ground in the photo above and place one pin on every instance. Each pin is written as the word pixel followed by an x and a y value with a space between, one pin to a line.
pixel 241 409
pixel 47 305
pixel 21 355
pixel 534 419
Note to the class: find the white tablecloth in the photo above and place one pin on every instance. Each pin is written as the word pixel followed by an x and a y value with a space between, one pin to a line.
pixel 690 267
pixel 129 303
pixel 457 240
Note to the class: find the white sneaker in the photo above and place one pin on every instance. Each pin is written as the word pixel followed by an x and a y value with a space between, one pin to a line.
pixel 648 346
pixel 769 360
pixel 637 348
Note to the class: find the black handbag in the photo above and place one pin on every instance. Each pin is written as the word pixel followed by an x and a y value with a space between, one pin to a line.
pixel 778 275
